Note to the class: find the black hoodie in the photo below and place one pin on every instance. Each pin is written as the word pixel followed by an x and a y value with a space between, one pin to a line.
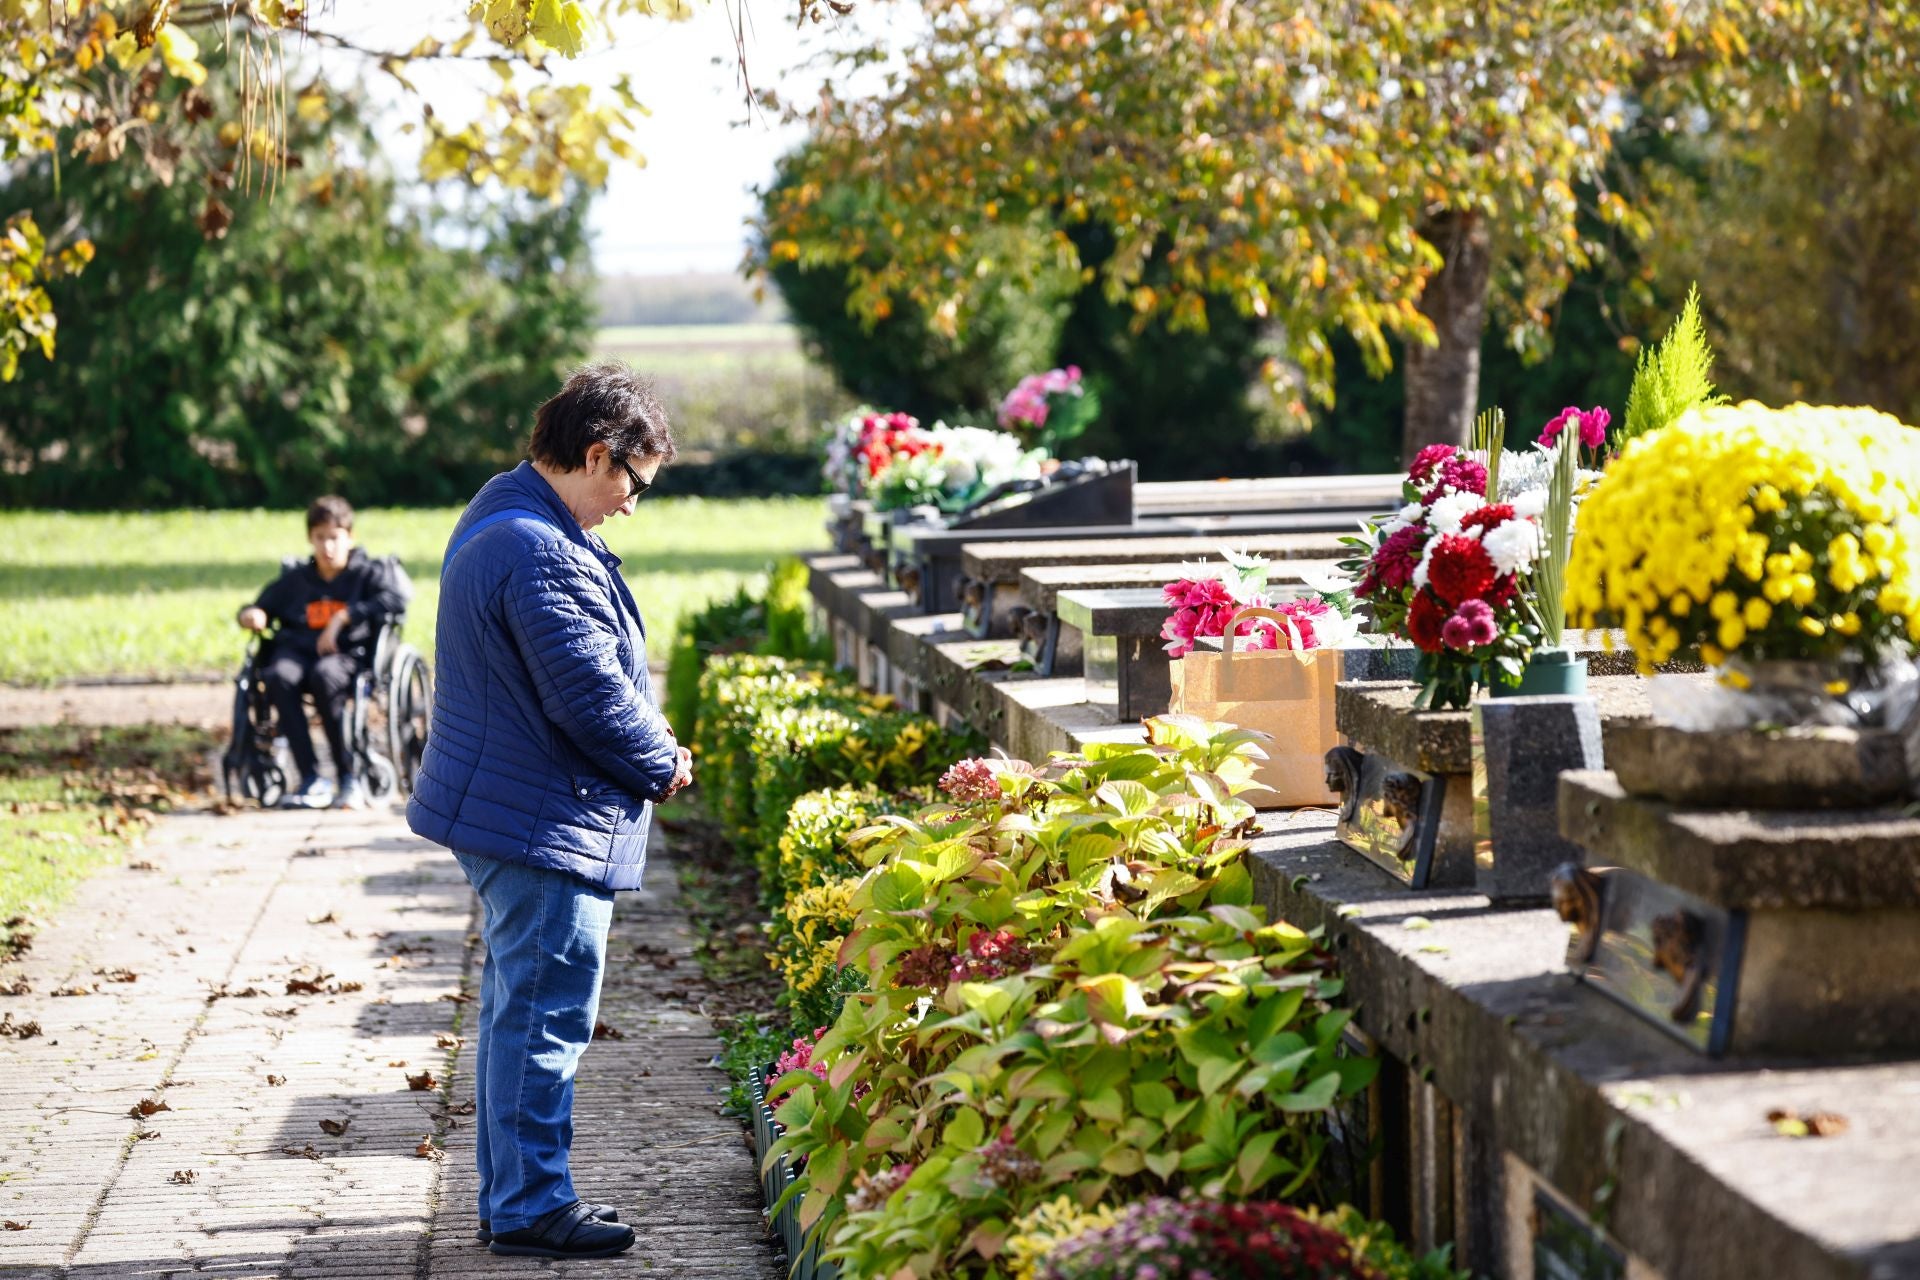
pixel 372 592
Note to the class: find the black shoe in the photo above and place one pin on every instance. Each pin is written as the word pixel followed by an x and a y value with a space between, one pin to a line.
pixel 572 1232
pixel 604 1212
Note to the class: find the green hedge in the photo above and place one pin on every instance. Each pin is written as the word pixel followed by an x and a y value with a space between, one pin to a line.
pixel 797 749
pixel 774 624
pixel 813 845
pixel 735 691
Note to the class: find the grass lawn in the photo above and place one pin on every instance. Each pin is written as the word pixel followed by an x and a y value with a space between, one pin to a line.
pixel 73 799
pixel 154 594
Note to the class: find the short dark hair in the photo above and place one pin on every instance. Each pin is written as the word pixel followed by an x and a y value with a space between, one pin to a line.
pixel 604 403
pixel 330 508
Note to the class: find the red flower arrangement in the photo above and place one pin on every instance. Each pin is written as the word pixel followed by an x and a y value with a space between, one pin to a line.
pixel 1445 572
pixel 886 436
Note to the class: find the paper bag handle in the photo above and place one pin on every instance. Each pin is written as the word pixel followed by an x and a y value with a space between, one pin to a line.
pixel 1233 626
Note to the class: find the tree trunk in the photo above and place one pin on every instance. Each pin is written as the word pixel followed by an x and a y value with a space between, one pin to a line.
pixel 1443 382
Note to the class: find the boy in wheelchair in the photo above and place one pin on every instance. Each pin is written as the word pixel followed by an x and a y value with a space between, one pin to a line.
pixel 325 615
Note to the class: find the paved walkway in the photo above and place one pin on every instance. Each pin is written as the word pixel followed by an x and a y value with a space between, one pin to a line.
pixel 195 702
pixel 279 984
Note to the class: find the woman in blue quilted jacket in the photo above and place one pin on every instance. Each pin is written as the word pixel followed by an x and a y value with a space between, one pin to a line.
pixel 545 759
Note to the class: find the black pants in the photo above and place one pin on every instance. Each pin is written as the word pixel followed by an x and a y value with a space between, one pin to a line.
pixel 330 681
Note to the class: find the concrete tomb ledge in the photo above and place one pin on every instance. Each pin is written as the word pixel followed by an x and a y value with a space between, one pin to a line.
pixel 962 672
pixel 1763 859
pixel 1378 716
pixel 908 640
pixel 836 594
pixel 1670 1151
pixel 873 610
pixel 998 559
pixel 1040 717
pixel 1041 585
pixel 1811 766
pixel 1113 611
pixel 821 571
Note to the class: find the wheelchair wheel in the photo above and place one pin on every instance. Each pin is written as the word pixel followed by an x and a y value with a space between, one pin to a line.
pixel 265 782
pixel 409 707
pixel 382 778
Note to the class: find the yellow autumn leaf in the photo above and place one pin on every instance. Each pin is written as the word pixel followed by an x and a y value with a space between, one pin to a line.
pixel 560 24
pixel 181 54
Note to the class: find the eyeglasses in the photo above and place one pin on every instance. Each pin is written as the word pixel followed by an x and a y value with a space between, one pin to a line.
pixel 633 478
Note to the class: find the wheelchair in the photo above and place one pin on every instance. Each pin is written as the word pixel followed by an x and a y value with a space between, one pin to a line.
pixel 386 723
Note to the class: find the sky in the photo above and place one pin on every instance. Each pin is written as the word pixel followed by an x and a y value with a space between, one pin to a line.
pixel 686 209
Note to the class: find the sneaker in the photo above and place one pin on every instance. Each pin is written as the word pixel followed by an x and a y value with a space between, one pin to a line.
pixel 313 793
pixel 571 1232
pixel 353 795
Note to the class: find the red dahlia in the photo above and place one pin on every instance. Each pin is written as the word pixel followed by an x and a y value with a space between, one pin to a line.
pixel 1460 569
pixel 1424 621
pixel 1488 517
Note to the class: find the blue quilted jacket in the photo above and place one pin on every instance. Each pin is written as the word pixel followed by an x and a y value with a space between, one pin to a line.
pixel 546 748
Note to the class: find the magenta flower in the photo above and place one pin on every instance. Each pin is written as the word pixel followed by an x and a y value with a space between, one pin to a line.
pixel 1427 462
pixel 1460 474
pixel 1470 627
pixel 1397 557
pixel 1592 425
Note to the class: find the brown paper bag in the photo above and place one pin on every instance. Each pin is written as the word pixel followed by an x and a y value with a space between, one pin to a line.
pixel 1282 692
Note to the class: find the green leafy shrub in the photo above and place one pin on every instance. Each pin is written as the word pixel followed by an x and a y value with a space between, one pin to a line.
pixel 809 880
pixel 1070 995
pixel 808 932
pixel 815 845
pixel 773 624
pixel 733 625
pixel 747 1044
pixel 735 690
pixel 1162 1236
pixel 790 632
pixel 824 743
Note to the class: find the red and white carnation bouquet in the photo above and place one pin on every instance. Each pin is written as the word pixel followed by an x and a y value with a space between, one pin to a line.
pixel 1449 572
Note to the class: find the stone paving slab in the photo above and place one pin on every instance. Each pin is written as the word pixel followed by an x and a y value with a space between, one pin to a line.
pixel 244 904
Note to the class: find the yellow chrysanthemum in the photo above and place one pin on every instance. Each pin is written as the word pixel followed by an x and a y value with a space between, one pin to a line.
pixel 1773 519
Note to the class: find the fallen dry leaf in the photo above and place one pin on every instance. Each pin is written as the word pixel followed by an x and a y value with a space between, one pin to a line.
pixel 142 865
pixel 276 1080
pixel 464 1109
pixel 336 1127
pixel 423 1083
pixel 18 1030
pixel 77 990
pixel 328 918
pixel 448 1040
pixel 306 1151
pixel 244 993
pixel 117 975
pixel 18 987
pixel 1789 1123
pixel 287 1012
pixel 456 997
pixel 398 1062
pixel 604 1030
pixel 147 1107
pixel 427 1151
pixel 11 1225
pixel 182 1176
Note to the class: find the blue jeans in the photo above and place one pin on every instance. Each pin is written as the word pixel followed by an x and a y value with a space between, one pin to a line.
pixel 546 937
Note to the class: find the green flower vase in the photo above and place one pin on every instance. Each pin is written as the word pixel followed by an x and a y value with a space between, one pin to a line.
pixel 1548 672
